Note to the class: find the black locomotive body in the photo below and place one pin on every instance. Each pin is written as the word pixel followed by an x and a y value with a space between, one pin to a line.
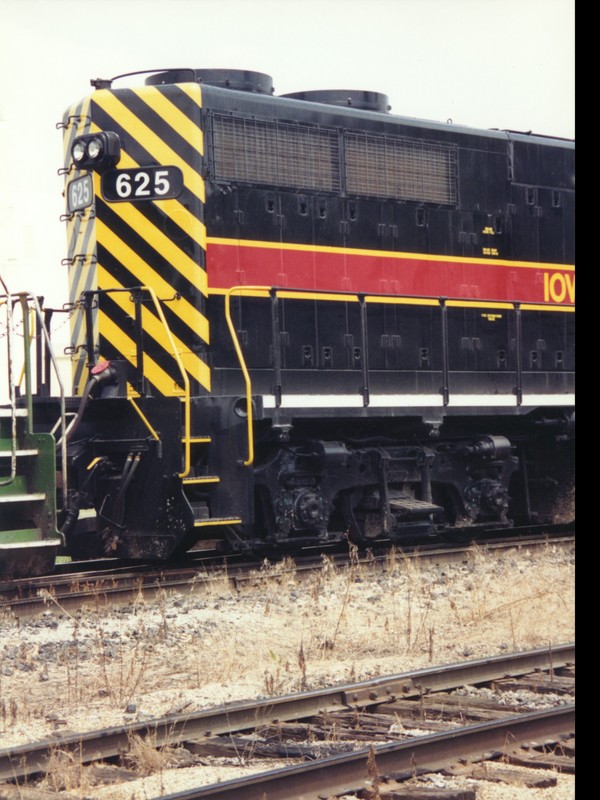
pixel 302 318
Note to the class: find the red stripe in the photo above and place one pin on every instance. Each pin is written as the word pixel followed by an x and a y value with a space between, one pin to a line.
pixel 235 265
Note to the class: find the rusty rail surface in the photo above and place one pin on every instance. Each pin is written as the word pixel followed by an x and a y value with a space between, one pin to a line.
pixel 109 582
pixel 20 761
pixel 350 772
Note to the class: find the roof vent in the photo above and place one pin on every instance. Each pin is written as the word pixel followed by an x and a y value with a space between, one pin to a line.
pixel 350 98
pixel 238 79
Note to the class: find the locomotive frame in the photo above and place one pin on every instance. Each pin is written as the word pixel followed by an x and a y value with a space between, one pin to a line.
pixel 297 319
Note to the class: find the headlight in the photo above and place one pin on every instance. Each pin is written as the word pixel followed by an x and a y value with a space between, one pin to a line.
pixel 78 152
pixel 96 150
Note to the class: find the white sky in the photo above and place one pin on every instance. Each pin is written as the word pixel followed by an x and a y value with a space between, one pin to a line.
pixel 484 63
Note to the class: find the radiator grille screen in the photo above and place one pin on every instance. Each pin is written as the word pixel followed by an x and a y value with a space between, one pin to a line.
pixel 306 157
pixel 276 153
pixel 408 169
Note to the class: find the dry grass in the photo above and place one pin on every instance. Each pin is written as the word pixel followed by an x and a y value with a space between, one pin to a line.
pixel 65 773
pixel 277 635
pixel 146 757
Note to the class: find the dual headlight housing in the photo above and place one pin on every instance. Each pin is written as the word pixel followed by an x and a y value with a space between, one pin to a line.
pixel 96 150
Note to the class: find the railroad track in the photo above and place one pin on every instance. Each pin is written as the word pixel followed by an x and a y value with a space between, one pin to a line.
pixel 356 739
pixel 113 582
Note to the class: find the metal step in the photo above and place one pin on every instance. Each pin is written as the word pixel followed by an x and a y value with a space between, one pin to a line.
pixel 408 506
pixel 205 523
pixel 201 479
pixel 20 536
pixel 8 412
pixel 19 453
pixel 27 559
pixel 34 497
pixel 31 545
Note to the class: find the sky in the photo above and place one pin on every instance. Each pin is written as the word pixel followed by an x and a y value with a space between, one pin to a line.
pixel 481 63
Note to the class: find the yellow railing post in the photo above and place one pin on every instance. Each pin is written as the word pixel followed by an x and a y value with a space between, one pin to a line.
pixel 236 343
pixel 186 383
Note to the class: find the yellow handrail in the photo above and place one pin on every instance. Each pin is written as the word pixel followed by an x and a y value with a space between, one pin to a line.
pixel 186 384
pixel 144 419
pixel 241 289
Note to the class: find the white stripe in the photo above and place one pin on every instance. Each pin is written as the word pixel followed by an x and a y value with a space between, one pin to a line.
pixel 406 400
pixel 416 400
pixel 469 400
pixel 548 400
pixel 315 401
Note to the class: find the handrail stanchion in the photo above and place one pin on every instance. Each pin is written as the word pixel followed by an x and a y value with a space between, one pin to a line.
pixel 186 384
pixel 236 343
pixel 519 353
pixel 11 387
pixel 445 390
pixel 63 416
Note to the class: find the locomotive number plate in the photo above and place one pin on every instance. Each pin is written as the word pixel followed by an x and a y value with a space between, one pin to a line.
pixel 147 183
pixel 80 193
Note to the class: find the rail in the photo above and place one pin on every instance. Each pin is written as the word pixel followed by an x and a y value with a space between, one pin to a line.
pixel 444 305
pixel 135 293
pixel 347 773
pixel 5 300
pixel 63 419
pixel 275 295
pixel 26 301
pixel 21 760
pixel 187 420
pixel 238 349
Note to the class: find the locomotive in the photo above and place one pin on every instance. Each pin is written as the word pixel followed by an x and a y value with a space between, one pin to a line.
pixel 295 319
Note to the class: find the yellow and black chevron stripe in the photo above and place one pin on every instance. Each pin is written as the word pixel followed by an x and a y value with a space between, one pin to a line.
pixel 81 258
pixel 156 243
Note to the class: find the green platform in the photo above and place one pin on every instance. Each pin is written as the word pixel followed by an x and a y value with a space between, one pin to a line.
pixel 29 539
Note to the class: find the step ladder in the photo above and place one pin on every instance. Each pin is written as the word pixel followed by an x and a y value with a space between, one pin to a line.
pixel 29 539
pixel 197 488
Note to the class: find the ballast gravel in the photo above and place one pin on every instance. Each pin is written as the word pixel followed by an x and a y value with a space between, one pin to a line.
pixel 214 643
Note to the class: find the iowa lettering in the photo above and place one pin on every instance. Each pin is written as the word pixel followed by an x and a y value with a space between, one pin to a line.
pixel 559 286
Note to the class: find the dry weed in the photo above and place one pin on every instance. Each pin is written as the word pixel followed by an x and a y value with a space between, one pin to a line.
pixel 213 583
pixel 146 756
pixel 350 623
pixel 123 674
pixel 373 776
pixel 65 772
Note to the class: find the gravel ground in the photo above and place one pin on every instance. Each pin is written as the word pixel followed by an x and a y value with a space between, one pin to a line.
pixel 182 652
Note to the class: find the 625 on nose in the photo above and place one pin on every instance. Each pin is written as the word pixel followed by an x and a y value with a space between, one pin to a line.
pixel 148 183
